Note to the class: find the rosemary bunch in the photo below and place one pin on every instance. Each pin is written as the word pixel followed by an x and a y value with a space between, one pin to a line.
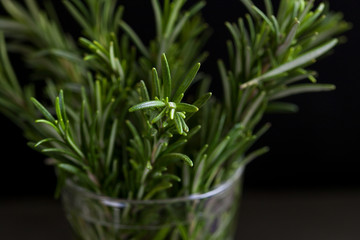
pixel 122 123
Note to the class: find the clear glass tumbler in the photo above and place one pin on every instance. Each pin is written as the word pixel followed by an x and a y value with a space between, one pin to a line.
pixel 207 216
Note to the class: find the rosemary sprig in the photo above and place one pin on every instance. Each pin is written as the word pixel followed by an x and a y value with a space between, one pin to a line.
pixel 123 128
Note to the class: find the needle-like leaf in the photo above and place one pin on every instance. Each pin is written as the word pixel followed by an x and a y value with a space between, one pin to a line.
pixel 303 59
pixel 166 76
pixel 43 110
pixel 148 104
pixel 186 82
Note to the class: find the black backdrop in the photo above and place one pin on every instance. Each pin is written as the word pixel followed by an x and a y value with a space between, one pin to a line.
pixel 318 147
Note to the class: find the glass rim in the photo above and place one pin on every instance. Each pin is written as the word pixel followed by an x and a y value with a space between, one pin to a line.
pixel 119 202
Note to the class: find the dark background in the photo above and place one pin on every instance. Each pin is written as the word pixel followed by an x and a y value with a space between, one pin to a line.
pixel 314 149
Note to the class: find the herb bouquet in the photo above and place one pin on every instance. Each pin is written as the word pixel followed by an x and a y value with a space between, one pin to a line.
pixel 141 149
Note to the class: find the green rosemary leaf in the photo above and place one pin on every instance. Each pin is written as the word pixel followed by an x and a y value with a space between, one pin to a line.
pixel 184 125
pixel 296 78
pixel 303 59
pixel 255 154
pixel 156 83
pixel 248 61
pixel 119 69
pixel 170 177
pixel 102 50
pixel 104 119
pixel 77 172
pixel 313 17
pixel 175 10
pixel 216 161
pixel 178 100
pixel 225 84
pixel 186 82
pixel 80 5
pixel 263 16
pixel 134 164
pixel 289 39
pixel 176 156
pixel 48 123
pixel 193 131
pixel 111 144
pixel 262 130
pixel 218 150
pixel 281 107
pixel 157 189
pixel 78 16
pixel 197 7
pixel 135 134
pixel 276 27
pixel 43 110
pixel 219 129
pixel 62 105
pixel 59 114
pixel 202 100
pixel 236 35
pixel 112 56
pixel 251 28
pixel 250 111
pixel 16 10
pixel 135 38
pixel 46 140
pixel 75 148
pixel 89 57
pixel 269 7
pixel 84 131
pixel 301 88
pixel 7 25
pixel 176 145
pixel 158 17
pixel 181 114
pixel 159 149
pixel 86 43
pixel 69 168
pixel 63 152
pixel 98 97
pixel 200 154
pixel 163 232
pixel 200 166
pixel 183 231
pixel 178 123
pixel 159 116
pixel 243 33
pixel 184 107
pixel 166 76
pixel 309 5
pixel 148 104
pixel 184 20
pixel 248 4
pixel 62 54
pixel 177 30
pixel 144 92
pixel 8 70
